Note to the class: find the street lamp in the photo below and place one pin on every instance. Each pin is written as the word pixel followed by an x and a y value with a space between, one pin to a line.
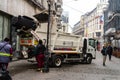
pixel 46 67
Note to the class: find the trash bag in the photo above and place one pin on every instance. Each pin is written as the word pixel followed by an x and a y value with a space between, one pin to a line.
pixel 4 74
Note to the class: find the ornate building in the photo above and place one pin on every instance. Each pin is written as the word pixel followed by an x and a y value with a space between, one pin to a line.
pixel 112 23
pixel 92 23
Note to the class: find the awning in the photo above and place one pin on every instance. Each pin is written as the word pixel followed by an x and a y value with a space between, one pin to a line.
pixel 42 17
pixel 110 31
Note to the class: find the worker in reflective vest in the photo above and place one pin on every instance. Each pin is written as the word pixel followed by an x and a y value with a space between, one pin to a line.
pixel 5 52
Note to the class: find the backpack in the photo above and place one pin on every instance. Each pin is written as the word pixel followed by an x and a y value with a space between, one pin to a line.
pixel 103 51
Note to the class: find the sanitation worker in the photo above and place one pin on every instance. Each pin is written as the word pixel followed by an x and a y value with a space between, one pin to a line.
pixel 5 53
pixel 40 50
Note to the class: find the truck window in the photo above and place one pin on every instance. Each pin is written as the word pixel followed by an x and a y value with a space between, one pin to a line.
pixel 92 42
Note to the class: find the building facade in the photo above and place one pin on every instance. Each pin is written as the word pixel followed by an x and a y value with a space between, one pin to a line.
pixel 92 23
pixel 76 29
pixel 112 24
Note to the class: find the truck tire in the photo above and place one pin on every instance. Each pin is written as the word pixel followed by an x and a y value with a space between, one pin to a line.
pixel 57 61
pixel 89 59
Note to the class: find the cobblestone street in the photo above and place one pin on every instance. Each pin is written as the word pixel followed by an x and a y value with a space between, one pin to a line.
pixel 23 70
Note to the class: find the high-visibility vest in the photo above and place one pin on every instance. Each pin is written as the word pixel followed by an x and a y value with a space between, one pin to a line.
pixel 5 54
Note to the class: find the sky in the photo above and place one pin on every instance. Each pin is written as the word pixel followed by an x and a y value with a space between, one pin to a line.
pixel 76 8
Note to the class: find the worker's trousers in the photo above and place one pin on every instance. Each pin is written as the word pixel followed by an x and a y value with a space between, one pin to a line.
pixel 40 60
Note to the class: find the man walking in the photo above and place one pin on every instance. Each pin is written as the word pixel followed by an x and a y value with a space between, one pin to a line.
pixel 104 53
pixel 109 51
pixel 5 53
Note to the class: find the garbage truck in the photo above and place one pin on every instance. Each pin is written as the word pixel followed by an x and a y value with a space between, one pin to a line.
pixel 62 47
pixel 67 47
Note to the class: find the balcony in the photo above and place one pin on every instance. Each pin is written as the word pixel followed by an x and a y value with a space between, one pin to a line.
pixel 59 10
pixel 58 14
pixel 58 4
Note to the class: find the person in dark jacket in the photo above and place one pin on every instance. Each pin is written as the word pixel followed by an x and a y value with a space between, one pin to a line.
pixel 5 53
pixel 109 51
pixel 40 50
pixel 104 53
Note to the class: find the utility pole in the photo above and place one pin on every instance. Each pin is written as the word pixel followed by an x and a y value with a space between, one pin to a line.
pixel 46 64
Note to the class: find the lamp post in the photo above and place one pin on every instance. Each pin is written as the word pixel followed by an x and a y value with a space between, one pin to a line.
pixel 46 66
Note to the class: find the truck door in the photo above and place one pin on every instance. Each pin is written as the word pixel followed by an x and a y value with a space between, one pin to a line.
pixel 92 47
pixel 84 46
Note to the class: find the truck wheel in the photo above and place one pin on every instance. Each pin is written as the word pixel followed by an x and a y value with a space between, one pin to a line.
pixel 89 59
pixel 57 61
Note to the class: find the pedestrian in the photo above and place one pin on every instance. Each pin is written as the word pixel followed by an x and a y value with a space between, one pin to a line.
pixel 5 53
pixel 40 50
pixel 104 53
pixel 109 51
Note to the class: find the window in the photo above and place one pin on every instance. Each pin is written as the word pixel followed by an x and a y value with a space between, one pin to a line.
pixel 98 34
pixel 92 42
pixel 4 26
pixel 99 26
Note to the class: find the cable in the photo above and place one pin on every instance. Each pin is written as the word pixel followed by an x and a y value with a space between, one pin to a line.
pixel 74 8
pixel 70 1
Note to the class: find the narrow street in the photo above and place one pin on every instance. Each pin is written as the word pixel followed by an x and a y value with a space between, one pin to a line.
pixel 24 70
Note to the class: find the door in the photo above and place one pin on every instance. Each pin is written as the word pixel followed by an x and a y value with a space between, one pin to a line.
pixel 92 47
